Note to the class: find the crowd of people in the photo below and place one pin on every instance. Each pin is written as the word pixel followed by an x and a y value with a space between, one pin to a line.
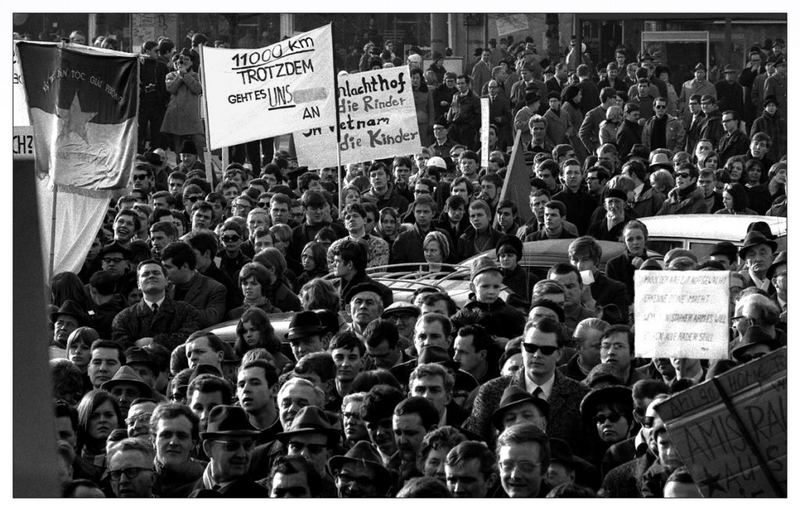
pixel 529 389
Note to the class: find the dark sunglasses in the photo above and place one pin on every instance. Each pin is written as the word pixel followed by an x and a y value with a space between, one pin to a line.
pixel 139 177
pixel 602 418
pixel 263 204
pixel 684 175
pixel 533 348
pixel 230 239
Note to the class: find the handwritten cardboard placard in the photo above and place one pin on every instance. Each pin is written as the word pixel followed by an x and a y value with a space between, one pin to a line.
pixel 681 314
pixel 377 119
pixel 731 432
pixel 252 94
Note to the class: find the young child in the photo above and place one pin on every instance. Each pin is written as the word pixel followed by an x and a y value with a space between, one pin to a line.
pixel 499 318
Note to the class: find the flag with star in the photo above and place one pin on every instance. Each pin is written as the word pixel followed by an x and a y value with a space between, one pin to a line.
pixel 83 105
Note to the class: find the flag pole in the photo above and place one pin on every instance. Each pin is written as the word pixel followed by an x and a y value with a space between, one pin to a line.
pixel 51 264
pixel 339 173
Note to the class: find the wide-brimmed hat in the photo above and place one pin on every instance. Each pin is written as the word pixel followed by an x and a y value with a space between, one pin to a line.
pixel 780 258
pixel 400 308
pixel 70 308
pixel 560 452
pixel 139 355
pixel 725 248
pixel 514 396
pixel 752 336
pixel 753 239
pixel 610 394
pixel 762 227
pixel 660 161
pixel 364 453
pixel 608 374
pixel 225 420
pixel 304 324
pixel 310 419
pixel 128 376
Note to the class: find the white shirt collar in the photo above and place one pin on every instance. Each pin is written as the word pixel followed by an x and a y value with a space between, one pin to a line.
pixel 547 387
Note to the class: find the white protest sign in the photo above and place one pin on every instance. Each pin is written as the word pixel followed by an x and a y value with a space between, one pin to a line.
pixel 377 119
pixel 261 93
pixel 510 23
pixel 681 314
pixel 485 132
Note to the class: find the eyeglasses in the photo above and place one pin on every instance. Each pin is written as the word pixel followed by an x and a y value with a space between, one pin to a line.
pixel 235 445
pixel 684 175
pixel 113 260
pixel 422 191
pixel 130 473
pixel 263 204
pixel 312 448
pixel 660 107
pixel 230 239
pixel 533 348
pixel 602 418
pixel 139 177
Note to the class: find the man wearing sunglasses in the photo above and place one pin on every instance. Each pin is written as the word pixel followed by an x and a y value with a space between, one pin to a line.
pixel 228 442
pixel 663 130
pixel 541 350
pixel 686 197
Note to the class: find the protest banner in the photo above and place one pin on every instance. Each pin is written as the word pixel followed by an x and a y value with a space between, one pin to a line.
pixel 270 91
pixel 377 119
pixel 731 431
pixel 681 314
pixel 83 105
pixel 485 132
pixel 22 136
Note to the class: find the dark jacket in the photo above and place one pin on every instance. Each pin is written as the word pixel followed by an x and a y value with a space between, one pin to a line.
pixel 465 246
pixel 465 116
pixel 520 281
pixel 580 206
pixel 565 420
pixel 407 248
pixel 104 315
pixel 283 298
pixel 693 203
pixel 712 127
pixel 242 488
pixel 647 203
pixel 628 134
pixel 606 291
pixel 620 268
pixel 498 318
pixel 169 327
pixel 180 483
pixel 732 144
pixel 208 297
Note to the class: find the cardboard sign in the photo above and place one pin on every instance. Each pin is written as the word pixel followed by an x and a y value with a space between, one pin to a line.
pixel 510 23
pixel 681 314
pixel 731 431
pixel 261 93
pixel 485 132
pixel 377 119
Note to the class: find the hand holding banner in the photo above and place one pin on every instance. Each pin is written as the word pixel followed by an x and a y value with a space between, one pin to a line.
pixel 261 93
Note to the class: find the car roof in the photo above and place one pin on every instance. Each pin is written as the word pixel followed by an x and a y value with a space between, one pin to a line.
pixel 731 228
pixel 546 253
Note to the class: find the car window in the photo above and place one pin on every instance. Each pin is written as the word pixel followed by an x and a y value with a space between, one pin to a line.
pixel 701 249
pixel 663 246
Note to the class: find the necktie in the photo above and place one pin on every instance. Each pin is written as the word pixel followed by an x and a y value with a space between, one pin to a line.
pixel 539 393
pixel 155 309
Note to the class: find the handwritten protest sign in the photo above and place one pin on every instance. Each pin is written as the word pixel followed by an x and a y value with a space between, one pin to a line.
pixel 681 314
pixel 510 23
pixel 730 432
pixel 484 132
pixel 255 94
pixel 377 119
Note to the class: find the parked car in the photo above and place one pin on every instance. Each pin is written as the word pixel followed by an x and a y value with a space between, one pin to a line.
pixel 699 233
